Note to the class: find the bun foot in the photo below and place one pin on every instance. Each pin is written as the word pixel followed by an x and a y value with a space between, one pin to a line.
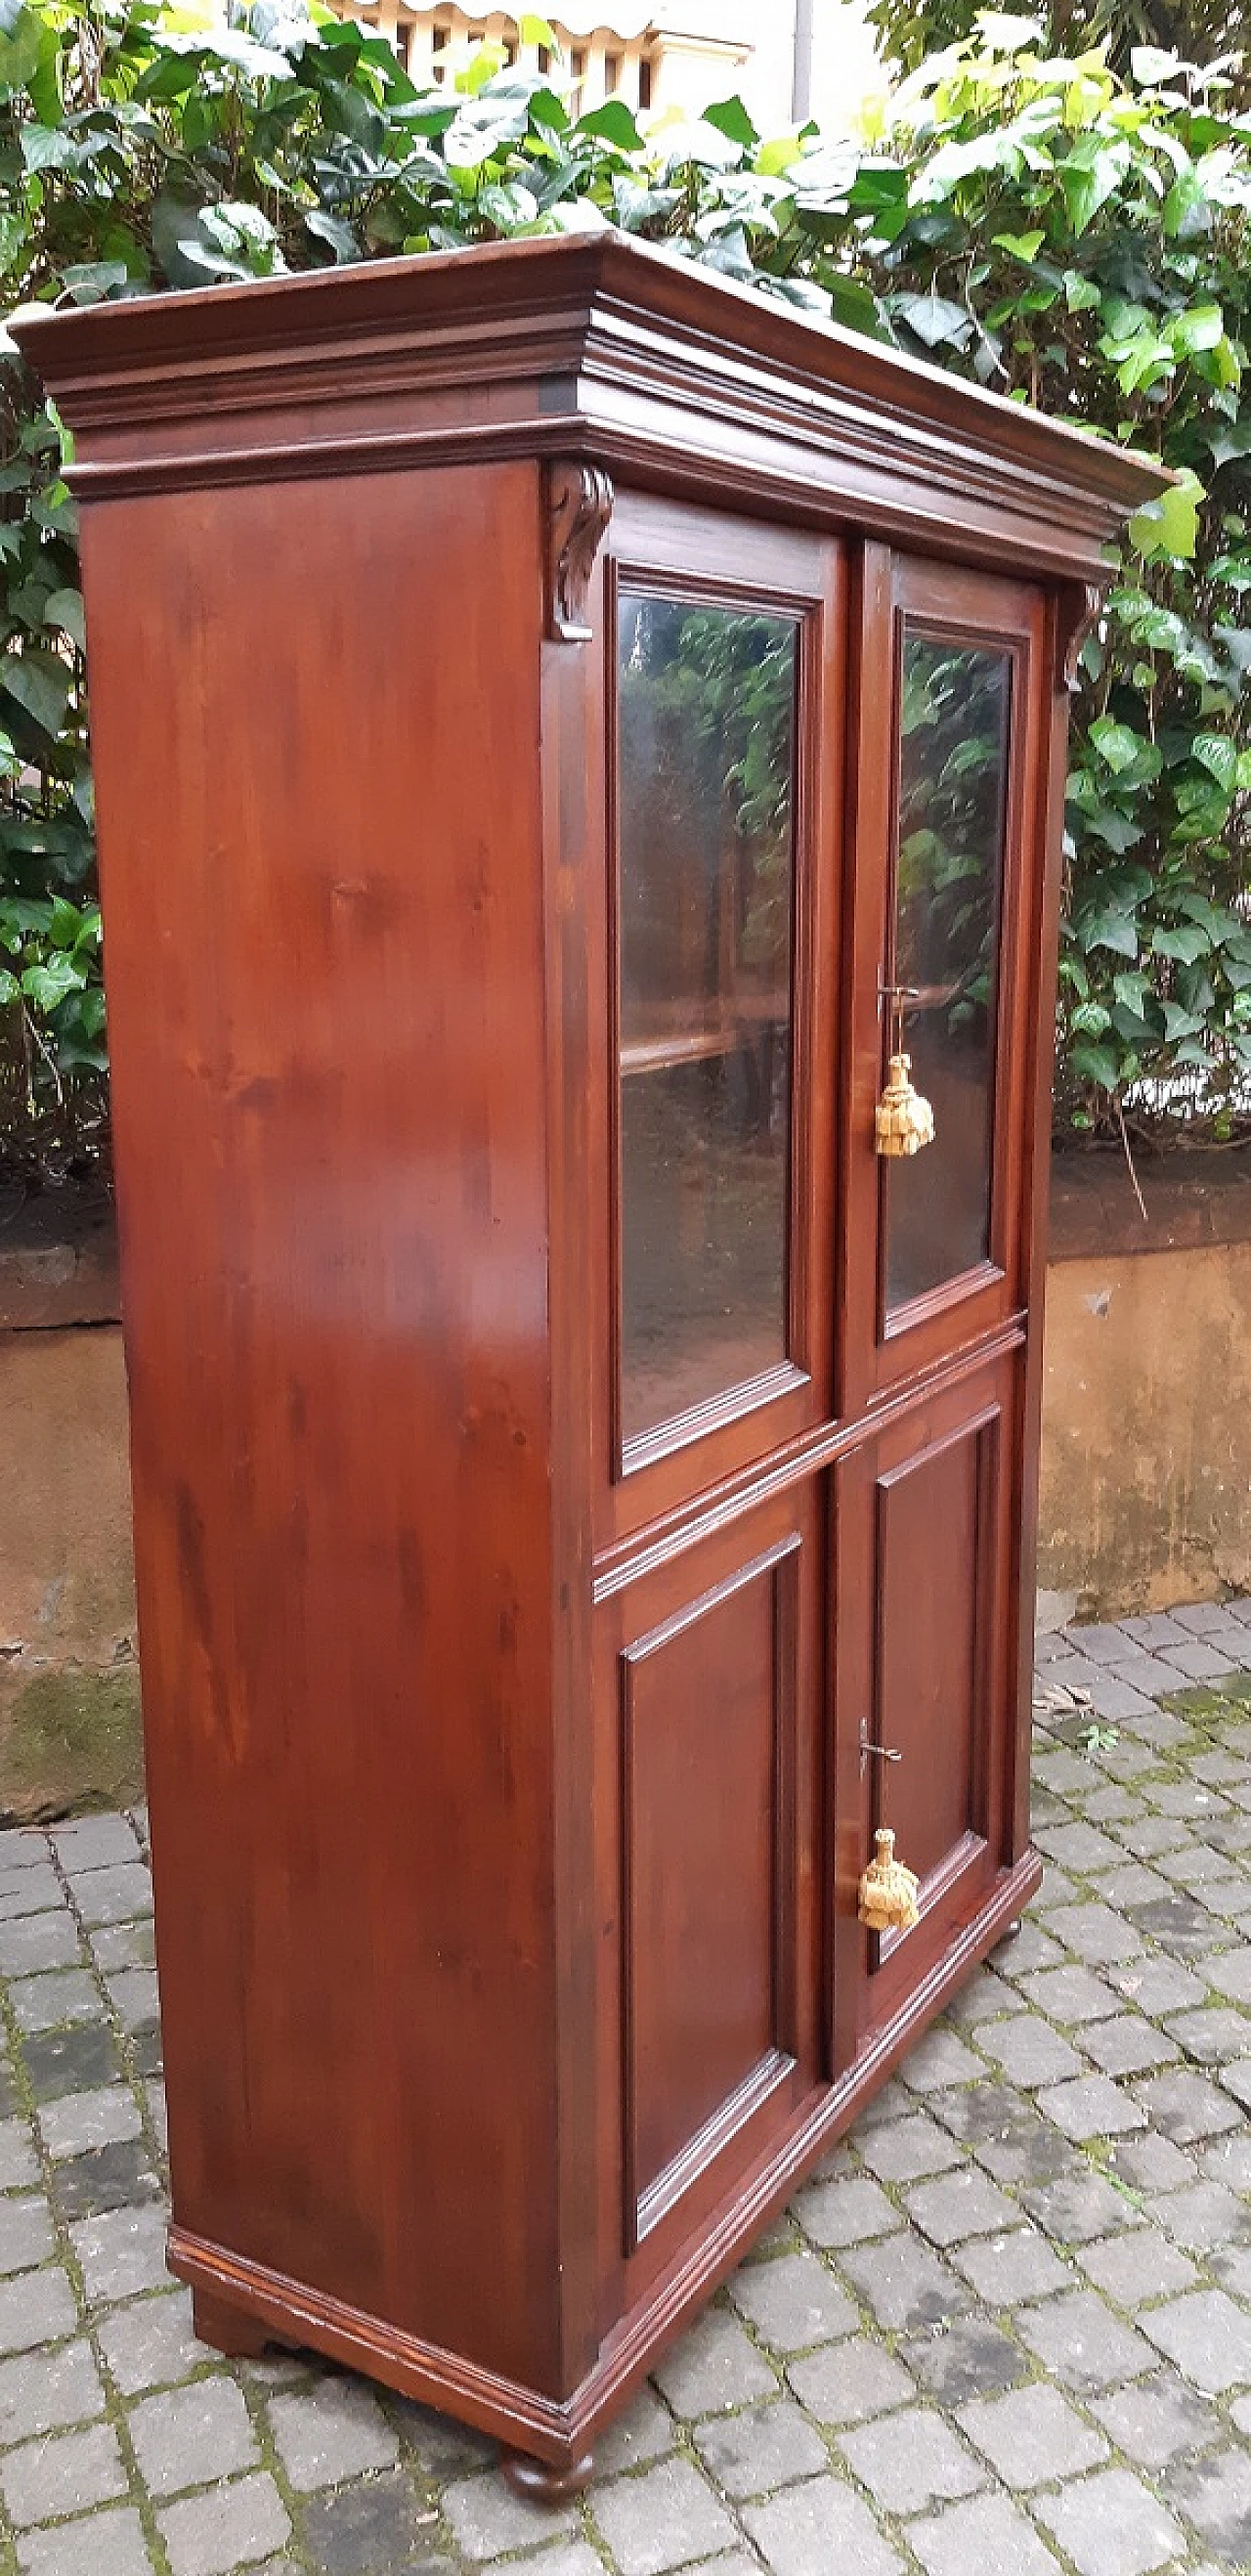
pixel 540 2483
pixel 230 2330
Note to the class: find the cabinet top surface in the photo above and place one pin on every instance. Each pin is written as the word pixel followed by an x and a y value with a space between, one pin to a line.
pixel 577 346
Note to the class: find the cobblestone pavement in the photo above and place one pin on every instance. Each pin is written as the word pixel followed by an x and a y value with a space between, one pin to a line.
pixel 1005 2330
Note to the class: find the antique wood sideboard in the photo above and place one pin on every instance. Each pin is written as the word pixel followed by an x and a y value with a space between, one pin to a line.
pixel 562 722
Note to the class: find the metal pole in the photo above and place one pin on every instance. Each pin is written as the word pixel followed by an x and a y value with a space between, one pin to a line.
pixel 801 85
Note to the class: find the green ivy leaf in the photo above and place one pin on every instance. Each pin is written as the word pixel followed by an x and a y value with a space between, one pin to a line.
pixel 1219 757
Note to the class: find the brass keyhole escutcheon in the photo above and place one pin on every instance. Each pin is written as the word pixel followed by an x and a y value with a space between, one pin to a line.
pixel 888 1891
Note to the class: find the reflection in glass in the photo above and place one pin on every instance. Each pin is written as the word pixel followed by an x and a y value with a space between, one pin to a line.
pixel 706 702
pixel 953 774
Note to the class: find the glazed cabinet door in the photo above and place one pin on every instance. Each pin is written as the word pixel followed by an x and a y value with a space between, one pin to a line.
pixel 949 813
pixel 720 661
pixel 924 1681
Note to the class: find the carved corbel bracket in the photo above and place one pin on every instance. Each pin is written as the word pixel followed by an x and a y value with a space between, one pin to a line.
pixel 1080 605
pixel 579 507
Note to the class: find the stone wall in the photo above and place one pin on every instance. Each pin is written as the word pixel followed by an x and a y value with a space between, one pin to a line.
pixel 1146 1465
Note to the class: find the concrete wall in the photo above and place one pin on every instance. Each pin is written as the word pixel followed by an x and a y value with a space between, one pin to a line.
pixel 1146 1465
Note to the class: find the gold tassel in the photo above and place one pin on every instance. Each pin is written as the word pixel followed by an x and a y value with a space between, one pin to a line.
pixel 903 1121
pixel 888 1891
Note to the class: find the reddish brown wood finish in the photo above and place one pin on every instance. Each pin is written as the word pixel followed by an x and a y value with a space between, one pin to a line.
pixel 508 1791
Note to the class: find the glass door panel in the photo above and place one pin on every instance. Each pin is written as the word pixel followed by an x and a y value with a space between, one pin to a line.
pixel 955 707
pixel 706 699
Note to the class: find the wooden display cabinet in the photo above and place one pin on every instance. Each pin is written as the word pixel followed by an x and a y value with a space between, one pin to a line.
pixel 542 698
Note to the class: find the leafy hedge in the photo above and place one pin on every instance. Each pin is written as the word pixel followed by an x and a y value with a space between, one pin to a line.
pixel 1031 222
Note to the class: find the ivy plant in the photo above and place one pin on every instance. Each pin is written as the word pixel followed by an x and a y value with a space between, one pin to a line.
pixel 1032 220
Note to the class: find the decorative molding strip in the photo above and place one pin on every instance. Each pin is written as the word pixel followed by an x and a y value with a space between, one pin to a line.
pixel 579 507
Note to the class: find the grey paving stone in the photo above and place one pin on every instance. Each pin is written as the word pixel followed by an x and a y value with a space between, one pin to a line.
pixel 64 2474
pixel 1236 2079
pixel 1208 2337
pixel 1079 1847
pixel 660 2517
pixel 93 1843
pixel 905 2149
pixel 1111 2525
pixel 1075 2210
pixel 113 1895
pixel 64 1995
pixel 1227 2159
pixel 212 2535
pixel 1095 1933
pixel 24 1847
pixel 846 2212
pixel 1078 2339
pixel 105 2544
pixel 134 1997
pixel 444 2449
pixel 912 2460
pixel 972 2358
pixel 1132 1884
pixel 25 2234
pixel 485 2517
pixel 40 2392
pixel 36 2307
pixel 1091 2106
pixel 1069 1995
pixel 958 2205
pixel 18 2162
pixel 151 2343
pixel 1136 2268
pixel 104 2178
pixel 36 1941
pixel 377 2527
pixel 1231 1974
pixel 577 2558
pixel 763 2448
pixel 1147 2163
pixel 811 2529
pixel 1153 1628
pixel 1154 2420
pixel 187 2436
pixel 1029 2051
pixel 1032 2436
pixel 80 2121
pixel 1186 2106
pixel 794 2302
pixel 1207 2216
pixel 71 2061
pixel 715 2366
pixel 846 2383
pixel 35 1890
pixel 1004 2270
pixel 940 2058
pixel 123 1945
pixel 645 2432
pixel 985 2533
pixel 1215 2495
pixel 1027 1952
pixel 1099 1639
pixel 334 2430
pixel 122 2252
pixel 903 2283
pixel 1128 2045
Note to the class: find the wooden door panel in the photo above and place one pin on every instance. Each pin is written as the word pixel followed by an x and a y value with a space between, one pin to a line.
pixel 924 1671
pixel 707 1882
pixel 709 1829
pixel 930 1577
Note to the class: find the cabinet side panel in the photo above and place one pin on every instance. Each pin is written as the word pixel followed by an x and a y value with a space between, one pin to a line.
pixel 316 726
